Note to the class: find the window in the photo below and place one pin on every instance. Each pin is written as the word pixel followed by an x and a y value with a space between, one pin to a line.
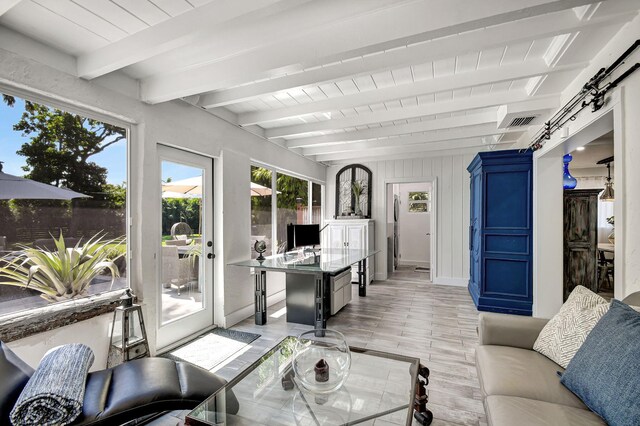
pixel 261 215
pixel 63 186
pixel 419 202
pixel 299 201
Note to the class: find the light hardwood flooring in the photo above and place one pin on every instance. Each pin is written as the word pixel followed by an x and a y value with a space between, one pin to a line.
pixel 432 322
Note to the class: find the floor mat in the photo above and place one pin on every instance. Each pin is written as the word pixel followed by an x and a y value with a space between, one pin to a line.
pixel 211 350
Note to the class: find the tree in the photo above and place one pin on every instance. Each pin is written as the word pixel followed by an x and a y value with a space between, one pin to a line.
pixel 290 189
pixel 61 145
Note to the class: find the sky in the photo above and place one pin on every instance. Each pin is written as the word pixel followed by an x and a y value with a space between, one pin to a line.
pixel 113 158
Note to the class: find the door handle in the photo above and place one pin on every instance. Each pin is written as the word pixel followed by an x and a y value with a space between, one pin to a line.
pixel 211 256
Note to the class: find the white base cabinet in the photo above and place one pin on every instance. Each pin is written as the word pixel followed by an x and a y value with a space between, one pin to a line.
pixel 351 234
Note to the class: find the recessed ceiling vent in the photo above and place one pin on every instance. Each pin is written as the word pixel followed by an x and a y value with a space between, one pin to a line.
pixel 522 121
pixel 521 114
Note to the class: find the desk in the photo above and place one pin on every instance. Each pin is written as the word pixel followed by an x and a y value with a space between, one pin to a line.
pixel 309 274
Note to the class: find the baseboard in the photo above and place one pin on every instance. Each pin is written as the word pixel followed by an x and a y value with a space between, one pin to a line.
pixel 423 264
pixel 456 282
pixel 248 311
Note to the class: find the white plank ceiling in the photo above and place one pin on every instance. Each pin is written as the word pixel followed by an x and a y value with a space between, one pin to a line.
pixel 339 80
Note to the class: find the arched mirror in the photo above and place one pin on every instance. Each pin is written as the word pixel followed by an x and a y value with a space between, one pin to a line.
pixel 353 192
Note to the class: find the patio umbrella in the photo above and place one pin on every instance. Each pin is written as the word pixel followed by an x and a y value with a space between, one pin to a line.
pixel 193 186
pixel 189 186
pixel 19 188
pixel 259 190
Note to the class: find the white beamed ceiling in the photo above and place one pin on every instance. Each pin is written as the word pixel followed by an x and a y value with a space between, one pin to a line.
pixel 334 80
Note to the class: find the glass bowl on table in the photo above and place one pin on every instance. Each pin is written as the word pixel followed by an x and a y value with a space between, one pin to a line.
pixel 321 360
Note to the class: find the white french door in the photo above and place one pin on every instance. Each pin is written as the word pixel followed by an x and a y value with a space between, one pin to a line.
pixel 185 245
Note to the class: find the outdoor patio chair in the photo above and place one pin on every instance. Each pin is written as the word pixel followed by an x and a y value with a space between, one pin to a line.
pixel 176 271
pixel 182 231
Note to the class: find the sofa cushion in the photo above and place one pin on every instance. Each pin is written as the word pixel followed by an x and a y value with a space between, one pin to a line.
pixel 510 410
pixel 563 335
pixel 605 373
pixel 508 371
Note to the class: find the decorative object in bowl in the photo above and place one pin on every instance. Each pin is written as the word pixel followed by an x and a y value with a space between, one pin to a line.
pixel 321 360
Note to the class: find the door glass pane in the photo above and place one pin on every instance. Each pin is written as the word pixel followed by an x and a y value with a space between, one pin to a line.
pixel 182 273
pixel 261 196
pixel 293 205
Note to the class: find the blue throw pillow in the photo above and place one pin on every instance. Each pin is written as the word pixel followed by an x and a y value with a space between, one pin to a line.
pixel 605 372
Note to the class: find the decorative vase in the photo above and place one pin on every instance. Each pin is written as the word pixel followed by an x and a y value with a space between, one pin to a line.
pixel 358 211
pixel 568 181
pixel 321 347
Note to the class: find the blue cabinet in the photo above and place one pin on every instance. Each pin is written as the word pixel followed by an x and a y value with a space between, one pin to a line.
pixel 500 232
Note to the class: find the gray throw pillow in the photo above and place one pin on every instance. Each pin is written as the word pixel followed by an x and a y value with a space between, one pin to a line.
pixel 563 335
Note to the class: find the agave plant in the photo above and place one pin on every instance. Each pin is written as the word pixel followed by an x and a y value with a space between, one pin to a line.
pixel 63 273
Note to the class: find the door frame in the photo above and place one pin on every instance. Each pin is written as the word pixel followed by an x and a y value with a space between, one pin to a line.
pixel 210 298
pixel 433 243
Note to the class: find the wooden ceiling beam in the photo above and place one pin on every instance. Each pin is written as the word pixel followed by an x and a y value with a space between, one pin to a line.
pixel 171 34
pixel 345 39
pixel 413 150
pixel 479 131
pixel 486 38
pixel 401 129
pixel 464 104
pixel 452 82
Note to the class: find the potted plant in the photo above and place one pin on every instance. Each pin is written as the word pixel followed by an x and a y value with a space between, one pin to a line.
pixel 357 189
pixel 61 274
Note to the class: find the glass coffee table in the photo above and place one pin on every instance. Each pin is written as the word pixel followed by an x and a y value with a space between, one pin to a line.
pixel 381 387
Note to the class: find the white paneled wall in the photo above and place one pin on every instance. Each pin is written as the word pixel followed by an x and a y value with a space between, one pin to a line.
pixel 451 209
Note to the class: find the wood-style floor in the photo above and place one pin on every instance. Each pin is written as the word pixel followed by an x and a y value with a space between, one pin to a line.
pixel 435 323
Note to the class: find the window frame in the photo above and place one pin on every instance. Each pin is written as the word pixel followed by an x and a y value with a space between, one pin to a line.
pixel 274 196
pixel 426 202
pixel 60 314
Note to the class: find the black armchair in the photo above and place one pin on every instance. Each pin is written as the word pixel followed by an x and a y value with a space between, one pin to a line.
pixel 122 393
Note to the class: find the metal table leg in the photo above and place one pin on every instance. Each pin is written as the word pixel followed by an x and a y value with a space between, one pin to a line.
pixel 423 415
pixel 362 277
pixel 260 294
pixel 320 320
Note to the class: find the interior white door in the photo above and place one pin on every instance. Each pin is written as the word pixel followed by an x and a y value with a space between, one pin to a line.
pixel 185 245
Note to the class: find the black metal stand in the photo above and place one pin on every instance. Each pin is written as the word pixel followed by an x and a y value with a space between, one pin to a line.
pixel 260 303
pixel 421 413
pixel 362 277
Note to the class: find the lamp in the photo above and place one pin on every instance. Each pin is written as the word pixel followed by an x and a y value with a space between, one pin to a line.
pixel 128 335
pixel 607 194
pixel 568 181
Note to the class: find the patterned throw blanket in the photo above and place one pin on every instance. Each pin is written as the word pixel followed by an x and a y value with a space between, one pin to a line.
pixel 55 393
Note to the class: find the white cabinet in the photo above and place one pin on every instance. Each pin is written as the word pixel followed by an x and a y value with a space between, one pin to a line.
pixel 352 234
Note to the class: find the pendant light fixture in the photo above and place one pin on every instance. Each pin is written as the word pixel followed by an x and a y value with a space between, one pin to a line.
pixel 607 194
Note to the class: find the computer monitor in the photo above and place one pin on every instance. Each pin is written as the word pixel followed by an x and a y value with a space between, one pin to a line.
pixel 302 235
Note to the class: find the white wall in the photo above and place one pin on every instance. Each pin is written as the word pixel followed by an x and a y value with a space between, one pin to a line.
pixel 173 123
pixel 414 227
pixel 620 113
pixel 452 204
